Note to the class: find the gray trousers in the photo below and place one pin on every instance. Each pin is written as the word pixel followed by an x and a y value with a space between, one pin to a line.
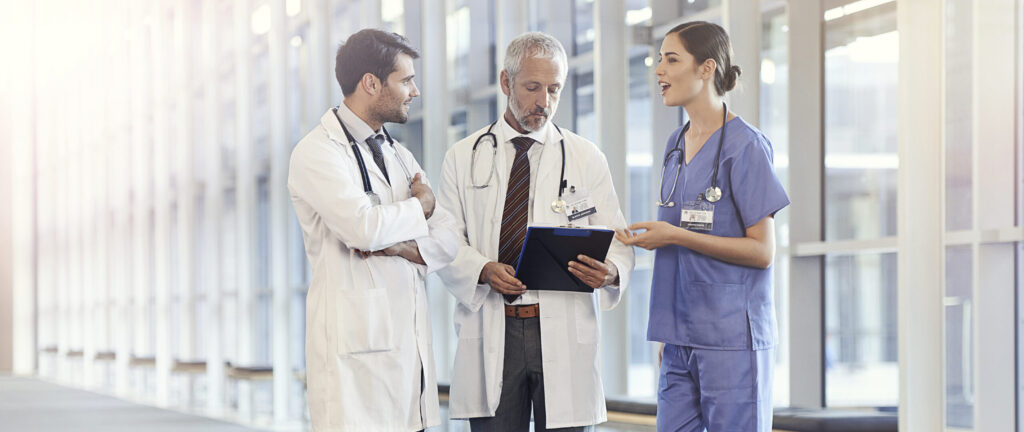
pixel 522 383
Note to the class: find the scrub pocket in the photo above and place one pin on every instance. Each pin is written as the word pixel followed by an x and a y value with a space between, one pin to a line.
pixel 364 320
pixel 718 313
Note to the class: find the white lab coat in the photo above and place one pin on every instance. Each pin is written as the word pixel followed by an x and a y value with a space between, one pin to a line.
pixel 574 395
pixel 367 325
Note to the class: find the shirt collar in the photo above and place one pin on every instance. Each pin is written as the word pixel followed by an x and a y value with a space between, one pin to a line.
pixel 539 136
pixel 356 126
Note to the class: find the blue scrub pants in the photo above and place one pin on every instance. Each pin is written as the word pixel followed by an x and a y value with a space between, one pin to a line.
pixel 715 390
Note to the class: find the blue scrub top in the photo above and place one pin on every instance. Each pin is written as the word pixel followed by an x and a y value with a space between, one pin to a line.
pixel 700 301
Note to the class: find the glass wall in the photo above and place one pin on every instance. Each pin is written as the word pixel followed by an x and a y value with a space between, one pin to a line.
pixel 861 59
pixel 190 310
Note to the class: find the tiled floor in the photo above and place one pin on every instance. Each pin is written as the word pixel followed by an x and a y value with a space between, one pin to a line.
pixel 32 405
pixel 28 404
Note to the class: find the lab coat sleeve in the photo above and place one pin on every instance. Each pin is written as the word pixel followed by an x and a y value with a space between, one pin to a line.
pixel 609 214
pixel 462 274
pixel 438 248
pixel 319 176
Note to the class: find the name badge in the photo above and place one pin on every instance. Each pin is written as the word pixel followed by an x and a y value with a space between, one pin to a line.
pixel 697 215
pixel 580 209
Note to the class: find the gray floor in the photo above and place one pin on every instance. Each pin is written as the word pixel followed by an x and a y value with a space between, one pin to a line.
pixel 28 404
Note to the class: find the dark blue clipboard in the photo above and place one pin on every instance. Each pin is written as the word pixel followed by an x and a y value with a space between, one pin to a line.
pixel 544 260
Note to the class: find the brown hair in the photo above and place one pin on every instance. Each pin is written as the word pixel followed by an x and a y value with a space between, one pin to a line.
pixel 705 40
pixel 369 51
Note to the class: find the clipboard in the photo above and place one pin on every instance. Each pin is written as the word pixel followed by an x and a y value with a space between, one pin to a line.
pixel 544 260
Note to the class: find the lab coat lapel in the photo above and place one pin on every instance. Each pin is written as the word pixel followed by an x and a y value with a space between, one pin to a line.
pixel 332 125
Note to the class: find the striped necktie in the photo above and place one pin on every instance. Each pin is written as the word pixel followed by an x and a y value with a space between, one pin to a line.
pixel 374 143
pixel 514 217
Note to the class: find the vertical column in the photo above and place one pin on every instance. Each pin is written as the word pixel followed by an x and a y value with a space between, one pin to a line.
pixel 245 192
pixel 511 20
pixel 185 183
pixel 123 208
pixel 278 50
pixel 436 99
pixel 480 69
pixel 161 206
pixel 562 12
pixel 611 87
pixel 743 22
pixel 919 215
pixel 23 220
pixel 213 202
pixel 140 193
pixel 806 124
pixel 321 58
pixel 8 134
pixel 369 14
pixel 88 186
pixel 995 118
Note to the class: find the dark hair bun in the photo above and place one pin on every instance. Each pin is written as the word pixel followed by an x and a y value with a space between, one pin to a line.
pixel 731 76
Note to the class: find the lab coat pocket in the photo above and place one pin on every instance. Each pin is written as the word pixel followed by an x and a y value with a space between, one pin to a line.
pixel 364 322
pixel 586 318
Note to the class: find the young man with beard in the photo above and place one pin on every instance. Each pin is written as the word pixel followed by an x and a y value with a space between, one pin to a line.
pixel 519 348
pixel 372 233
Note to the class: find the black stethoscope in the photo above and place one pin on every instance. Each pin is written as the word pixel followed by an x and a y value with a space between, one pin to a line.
pixel 712 193
pixel 557 206
pixel 363 173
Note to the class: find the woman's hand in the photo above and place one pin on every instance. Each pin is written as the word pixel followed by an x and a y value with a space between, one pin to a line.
pixel 656 234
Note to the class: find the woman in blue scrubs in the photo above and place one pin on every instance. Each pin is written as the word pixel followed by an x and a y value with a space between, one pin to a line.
pixel 711 297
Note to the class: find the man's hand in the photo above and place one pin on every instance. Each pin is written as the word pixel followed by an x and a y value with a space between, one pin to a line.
pixel 407 249
pixel 594 273
pixel 501 278
pixel 422 192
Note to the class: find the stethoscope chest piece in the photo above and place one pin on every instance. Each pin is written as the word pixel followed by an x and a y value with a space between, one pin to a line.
pixel 558 206
pixel 374 198
pixel 713 194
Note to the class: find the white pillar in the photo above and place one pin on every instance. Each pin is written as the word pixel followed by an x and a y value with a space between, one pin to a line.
pixel 806 117
pixel 511 20
pixel 436 99
pixel 277 41
pixel 185 175
pixel 122 231
pixel 141 195
pixel 995 116
pixel 245 193
pixel 20 164
pixel 213 203
pixel 611 87
pixel 321 58
pixel 919 216
pixel 161 205
pixel 369 14
pixel 742 20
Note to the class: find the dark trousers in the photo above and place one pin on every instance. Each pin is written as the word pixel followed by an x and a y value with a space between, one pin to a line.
pixel 522 383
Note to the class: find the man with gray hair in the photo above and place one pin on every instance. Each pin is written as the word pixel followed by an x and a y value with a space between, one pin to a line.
pixel 521 347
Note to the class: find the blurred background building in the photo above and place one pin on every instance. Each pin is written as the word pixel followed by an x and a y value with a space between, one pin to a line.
pixel 148 248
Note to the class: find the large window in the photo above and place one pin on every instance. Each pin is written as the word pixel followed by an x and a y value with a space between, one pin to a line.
pixel 643 372
pixel 958 303
pixel 861 54
pixel 219 304
pixel 774 112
